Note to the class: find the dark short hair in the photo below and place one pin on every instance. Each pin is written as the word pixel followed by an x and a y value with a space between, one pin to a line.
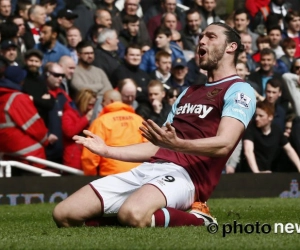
pixel 262 39
pixel 274 27
pixel 54 26
pixel 130 19
pixel 275 83
pixel 83 44
pixel 51 2
pixel 267 51
pixel 162 30
pixel 241 11
pixel 290 15
pixel 190 12
pixel 132 46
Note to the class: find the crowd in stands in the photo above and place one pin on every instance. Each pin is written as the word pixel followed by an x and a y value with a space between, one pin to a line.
pixel 105 65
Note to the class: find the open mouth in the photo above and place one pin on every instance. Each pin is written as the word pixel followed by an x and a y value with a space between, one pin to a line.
pixel 201 52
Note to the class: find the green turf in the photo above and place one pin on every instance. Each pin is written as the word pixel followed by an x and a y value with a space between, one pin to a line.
pixel 31 227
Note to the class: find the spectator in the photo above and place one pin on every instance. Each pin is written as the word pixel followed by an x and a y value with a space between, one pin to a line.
pixel 54 74
pixel 9 51
pixel 86 75
pixel 130 32
pixel 22 130
pixel 130 8
pixel 155 108
pixel 68 65
pixel 178 75
pixel 263 140
pixel 130 69
pixel 65 19
pixel 192 30
pixel 273 92
pixel 22 10
pixel 118 125
pixel 37 18
pixel 289 48
pixel 241 20
pixel 73 38
pixel 108 5
pixel 52 49
pixel 103 17
pixel 75 119
pixel 293 82
pixel 106 56
pixel 261 43
pixel 163 42
pixel 5 10
pixel 35 86
pixel 128 90
pixel 19 21
pixel 49 6
pixel 171 95
pixel 292 19
pixel 161 7
pixel 163 62
pixel 275 38
pixel 208 14
pixel 266 72
pixel 176 38
pixel 247 41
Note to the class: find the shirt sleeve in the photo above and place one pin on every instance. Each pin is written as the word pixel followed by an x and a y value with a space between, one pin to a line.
pixel 240 102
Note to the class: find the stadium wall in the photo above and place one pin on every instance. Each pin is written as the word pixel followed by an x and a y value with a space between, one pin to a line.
pixel 27 190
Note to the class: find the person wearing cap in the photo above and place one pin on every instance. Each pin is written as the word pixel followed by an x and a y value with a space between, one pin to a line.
pixel 65 19
pixel 34 84
pixel 178 74
pixel 9 51
pixel 52 49
pixel 22 131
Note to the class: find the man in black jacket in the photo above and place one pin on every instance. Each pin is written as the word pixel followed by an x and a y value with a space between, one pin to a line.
pixel 35 86
pixel 130 69
pixel 106 56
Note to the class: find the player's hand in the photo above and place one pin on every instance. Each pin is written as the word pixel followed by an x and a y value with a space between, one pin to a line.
pixel 92 142
pixel 163 137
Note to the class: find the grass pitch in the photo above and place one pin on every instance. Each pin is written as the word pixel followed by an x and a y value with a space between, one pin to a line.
pixel 31 227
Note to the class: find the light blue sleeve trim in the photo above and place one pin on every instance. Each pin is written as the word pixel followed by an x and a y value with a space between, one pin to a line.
pixel 167 216
pixel 240 102
pixel 174 106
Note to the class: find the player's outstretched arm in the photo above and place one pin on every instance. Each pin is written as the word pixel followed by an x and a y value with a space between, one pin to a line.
pixel 229 132
pixel 132 153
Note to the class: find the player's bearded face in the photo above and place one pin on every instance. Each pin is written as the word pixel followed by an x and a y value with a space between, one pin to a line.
pixel 213 55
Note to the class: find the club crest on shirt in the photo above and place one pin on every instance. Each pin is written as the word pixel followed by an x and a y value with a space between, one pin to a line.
pixel 213 93
pixel 242 100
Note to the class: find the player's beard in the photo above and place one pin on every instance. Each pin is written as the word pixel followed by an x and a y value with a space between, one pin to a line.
pixel 214 57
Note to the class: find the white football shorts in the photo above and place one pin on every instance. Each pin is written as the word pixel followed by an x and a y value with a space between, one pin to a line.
pixel 172 180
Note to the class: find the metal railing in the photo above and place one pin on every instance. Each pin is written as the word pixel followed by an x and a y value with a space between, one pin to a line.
pixel 5 167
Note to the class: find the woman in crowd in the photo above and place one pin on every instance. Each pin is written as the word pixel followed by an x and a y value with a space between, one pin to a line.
pixel 76 117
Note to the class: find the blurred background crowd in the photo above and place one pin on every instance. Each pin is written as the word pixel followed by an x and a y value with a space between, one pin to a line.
pixel 105 65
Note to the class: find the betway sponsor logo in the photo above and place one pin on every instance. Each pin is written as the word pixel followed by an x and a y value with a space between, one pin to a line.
pixel 201 110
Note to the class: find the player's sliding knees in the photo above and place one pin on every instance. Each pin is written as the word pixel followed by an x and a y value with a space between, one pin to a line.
pixel 133 216
pixel 63 219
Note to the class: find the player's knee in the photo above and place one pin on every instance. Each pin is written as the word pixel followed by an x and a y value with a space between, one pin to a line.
pixel 59 217
pixel 133 217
